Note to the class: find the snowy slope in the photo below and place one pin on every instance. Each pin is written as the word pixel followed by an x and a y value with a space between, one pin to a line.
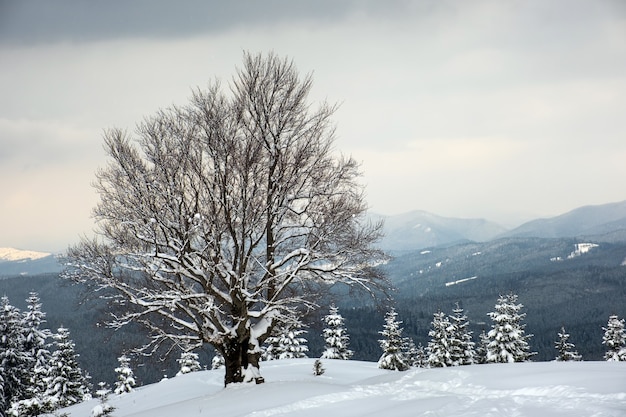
pixel 15 262
pixel 353 388
pixel 11 254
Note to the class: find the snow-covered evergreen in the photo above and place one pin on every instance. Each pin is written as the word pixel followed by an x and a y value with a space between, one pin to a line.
pixel 482 348
pixel 269 348
pixel 507 339
pixel 103 408
pixel 289 343
pixel 24 360
pixel 218 361
pixel 336 337
pixel 125 376
pixel 614 339
pixel 65 380
pixel 188 362
pixel 318 368
pixel 566 350
pixel 411 352
pixel 36 344
pixel 421 357
pixel 461 345
pixel 393 344
pixel 439 345
pixel 15 362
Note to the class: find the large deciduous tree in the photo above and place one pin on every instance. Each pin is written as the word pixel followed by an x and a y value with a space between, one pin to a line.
pixel 222 218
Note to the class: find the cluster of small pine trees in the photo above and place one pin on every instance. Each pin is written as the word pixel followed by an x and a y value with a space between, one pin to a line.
pixel 35 380
pixel 39 370
pixel 36 376
pixel 451 342
pixel 287 340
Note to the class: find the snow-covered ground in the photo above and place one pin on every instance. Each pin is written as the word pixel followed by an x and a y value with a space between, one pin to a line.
pixel 353 388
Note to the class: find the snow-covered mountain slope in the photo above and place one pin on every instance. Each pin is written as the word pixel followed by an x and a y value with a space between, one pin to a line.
pixel 11 254
pixel 15 262
pixel 353 388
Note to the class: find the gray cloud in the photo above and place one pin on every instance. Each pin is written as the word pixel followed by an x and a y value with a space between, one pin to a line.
pixel 479 109
pixel 35 21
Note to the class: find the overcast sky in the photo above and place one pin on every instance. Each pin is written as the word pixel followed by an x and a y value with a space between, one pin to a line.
pixel 505 110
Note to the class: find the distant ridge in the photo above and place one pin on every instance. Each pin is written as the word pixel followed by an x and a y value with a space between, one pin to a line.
pixel 11 254
pixel 420 229
pixel 583 221
pixel 15 262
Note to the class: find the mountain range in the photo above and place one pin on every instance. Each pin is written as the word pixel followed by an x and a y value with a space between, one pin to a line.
pixel 419 229
pixel 567 270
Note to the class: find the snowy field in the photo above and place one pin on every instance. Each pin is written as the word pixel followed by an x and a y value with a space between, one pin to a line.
pixel 353 388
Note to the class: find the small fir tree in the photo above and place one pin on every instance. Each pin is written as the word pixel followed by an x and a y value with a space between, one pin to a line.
pixel 318 368
pixel 481 350
pixel 566 350
pixel 188 362
pixel 336 337
pixel 125 376
pixel 507 340
pixel 421 357
pixel 411 352
pixel 65 381
pixel 103 408
pixel 439 346
pixel 34 406
pixel 218 361
pixel 393 344
pixel 269 348
pixel 615 339
pixel 461 346
pixel 35 344
pixel 290 344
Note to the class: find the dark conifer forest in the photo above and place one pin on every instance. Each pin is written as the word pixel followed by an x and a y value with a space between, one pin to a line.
pixel 579 293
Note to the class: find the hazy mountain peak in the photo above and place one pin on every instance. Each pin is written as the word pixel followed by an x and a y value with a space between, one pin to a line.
pixel 419 229
pixel 586 220
pixel 11 254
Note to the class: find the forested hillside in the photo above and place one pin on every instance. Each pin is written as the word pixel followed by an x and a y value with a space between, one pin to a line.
pixel 559 281
pixel 85 316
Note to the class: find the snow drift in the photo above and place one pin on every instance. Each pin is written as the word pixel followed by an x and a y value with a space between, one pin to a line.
pixel 353 388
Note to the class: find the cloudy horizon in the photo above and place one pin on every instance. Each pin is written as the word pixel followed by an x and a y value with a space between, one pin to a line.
pixel 502 110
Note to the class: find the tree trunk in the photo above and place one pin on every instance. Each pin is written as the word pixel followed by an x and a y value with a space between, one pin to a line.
pixel 253 373
pixel 242 362
pixel 233 361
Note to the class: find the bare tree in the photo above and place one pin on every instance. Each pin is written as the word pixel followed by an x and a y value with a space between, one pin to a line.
pixel 224 217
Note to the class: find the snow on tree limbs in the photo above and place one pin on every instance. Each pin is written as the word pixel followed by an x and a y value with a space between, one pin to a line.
pixel 222 218
pixel 507 341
